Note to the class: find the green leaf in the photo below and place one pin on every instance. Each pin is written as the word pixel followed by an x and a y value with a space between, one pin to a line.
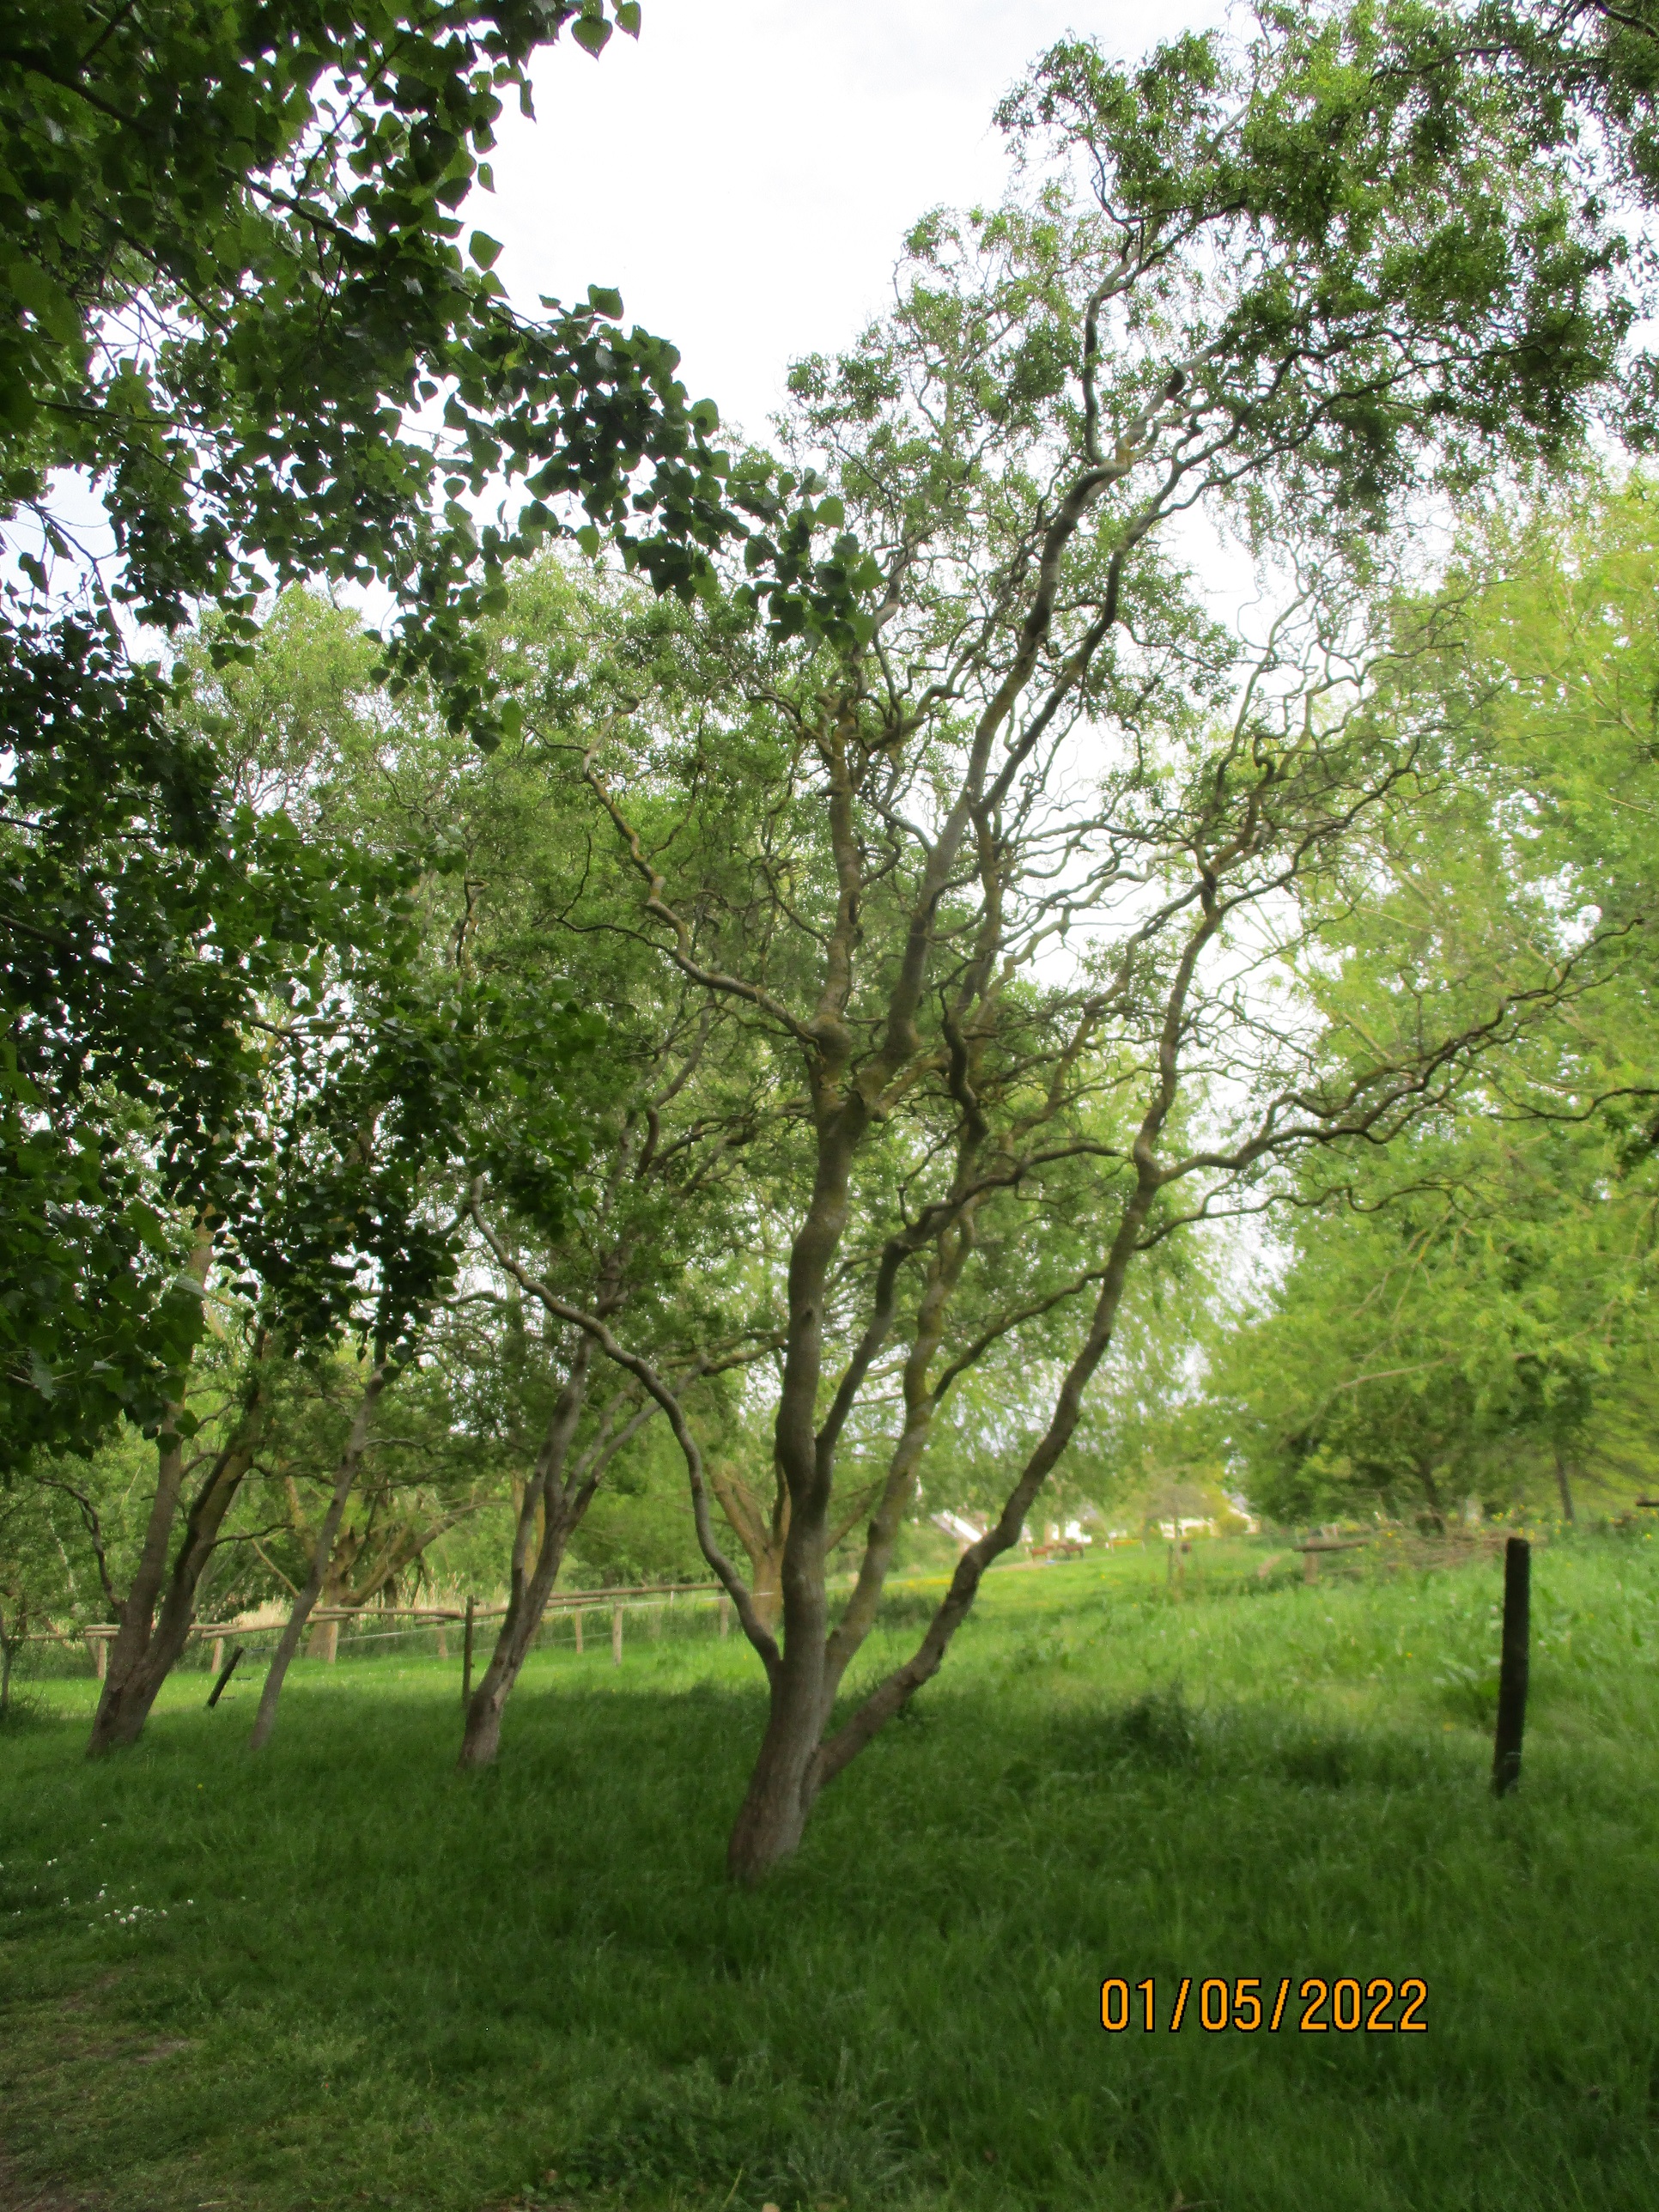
pixel 591 33
pixel 605 301
pixel 483 248
pixel 49 305
pixel 588 538
pixel 628 17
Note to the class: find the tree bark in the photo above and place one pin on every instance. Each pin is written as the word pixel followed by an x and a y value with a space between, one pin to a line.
pixel 8 1644
pixel 543 1502
pixel 1431 1491
pixel 147 1645
pixel 351 1459
pixel 145 1650
pixel 763 1536
pixel 1564 1484
pixel 796 1762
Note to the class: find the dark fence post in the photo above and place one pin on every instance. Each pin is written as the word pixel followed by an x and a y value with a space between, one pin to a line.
pixel 225 1673
pixel 1512 1669
pixel 466 1657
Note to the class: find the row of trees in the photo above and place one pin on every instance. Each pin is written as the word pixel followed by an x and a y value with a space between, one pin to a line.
pixel 802 1041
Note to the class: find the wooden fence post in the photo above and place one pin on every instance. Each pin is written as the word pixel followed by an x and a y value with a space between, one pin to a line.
pixel 615 1636
pixel 218 1653
pixel 218 1689
pixel 99 1655
pixel 578 1631
pixel 725 1614
pixel 1512 1666
pixel 466 1658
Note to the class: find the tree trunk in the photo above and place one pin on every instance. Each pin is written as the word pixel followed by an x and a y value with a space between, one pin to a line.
pixel 1563 1483
pixel 773 1817
pixel 8 1647
pixel 1431 1491
pixel 351 1460
pixel 763 1536
pixel 146 1647
pixel 542 1508
pixel 796 1762
pixel 325 1640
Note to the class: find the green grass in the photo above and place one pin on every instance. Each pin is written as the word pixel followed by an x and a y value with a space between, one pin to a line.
pixel 346 1975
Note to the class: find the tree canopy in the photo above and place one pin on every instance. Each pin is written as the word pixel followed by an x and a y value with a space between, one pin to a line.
pixel 771 980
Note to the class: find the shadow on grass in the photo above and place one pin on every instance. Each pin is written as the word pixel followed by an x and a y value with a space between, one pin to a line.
pixel 378 1981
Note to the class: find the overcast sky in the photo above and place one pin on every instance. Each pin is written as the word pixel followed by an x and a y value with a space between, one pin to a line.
pixel 745 173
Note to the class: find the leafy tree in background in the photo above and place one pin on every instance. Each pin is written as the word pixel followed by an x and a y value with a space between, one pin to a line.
pixel 235 276
pixel 237 303
pixel 511 921
pixel 1474 1312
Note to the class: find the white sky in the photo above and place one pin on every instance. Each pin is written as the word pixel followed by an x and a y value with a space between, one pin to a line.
pixel 743 174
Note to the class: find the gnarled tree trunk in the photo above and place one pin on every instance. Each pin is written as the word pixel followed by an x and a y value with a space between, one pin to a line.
pixel 351 1458
pixel 148 1644
pixel 531 1585
pixel 549 1512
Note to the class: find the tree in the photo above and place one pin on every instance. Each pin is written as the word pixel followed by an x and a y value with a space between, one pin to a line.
pixel 364 1068
pixel 236 302
pixel 1473 1311
pixel 429 1474
pixel 666 1101
pixel 236 279
pixel 1267 303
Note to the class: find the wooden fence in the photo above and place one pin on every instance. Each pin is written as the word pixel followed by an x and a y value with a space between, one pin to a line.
pixel 649 1597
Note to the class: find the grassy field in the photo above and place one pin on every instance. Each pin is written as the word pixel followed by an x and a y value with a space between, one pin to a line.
pixel 346 1976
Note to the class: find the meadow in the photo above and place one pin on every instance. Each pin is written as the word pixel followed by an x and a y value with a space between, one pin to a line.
pixel 345 1975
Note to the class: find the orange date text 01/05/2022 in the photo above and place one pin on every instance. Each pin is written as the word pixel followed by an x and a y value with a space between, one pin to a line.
pixel 1371 2005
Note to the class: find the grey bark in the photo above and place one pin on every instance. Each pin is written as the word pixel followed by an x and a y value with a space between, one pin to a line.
pixel 351 1459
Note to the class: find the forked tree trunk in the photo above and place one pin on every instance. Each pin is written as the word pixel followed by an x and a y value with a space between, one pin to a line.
pixel 545 1506
pixel 351 1459
pixel 147 1645
pixel 796 1761
pixel 762 1533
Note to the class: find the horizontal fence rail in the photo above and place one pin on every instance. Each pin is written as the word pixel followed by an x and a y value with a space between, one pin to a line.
pixel 630 1595
pixel 614 1600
